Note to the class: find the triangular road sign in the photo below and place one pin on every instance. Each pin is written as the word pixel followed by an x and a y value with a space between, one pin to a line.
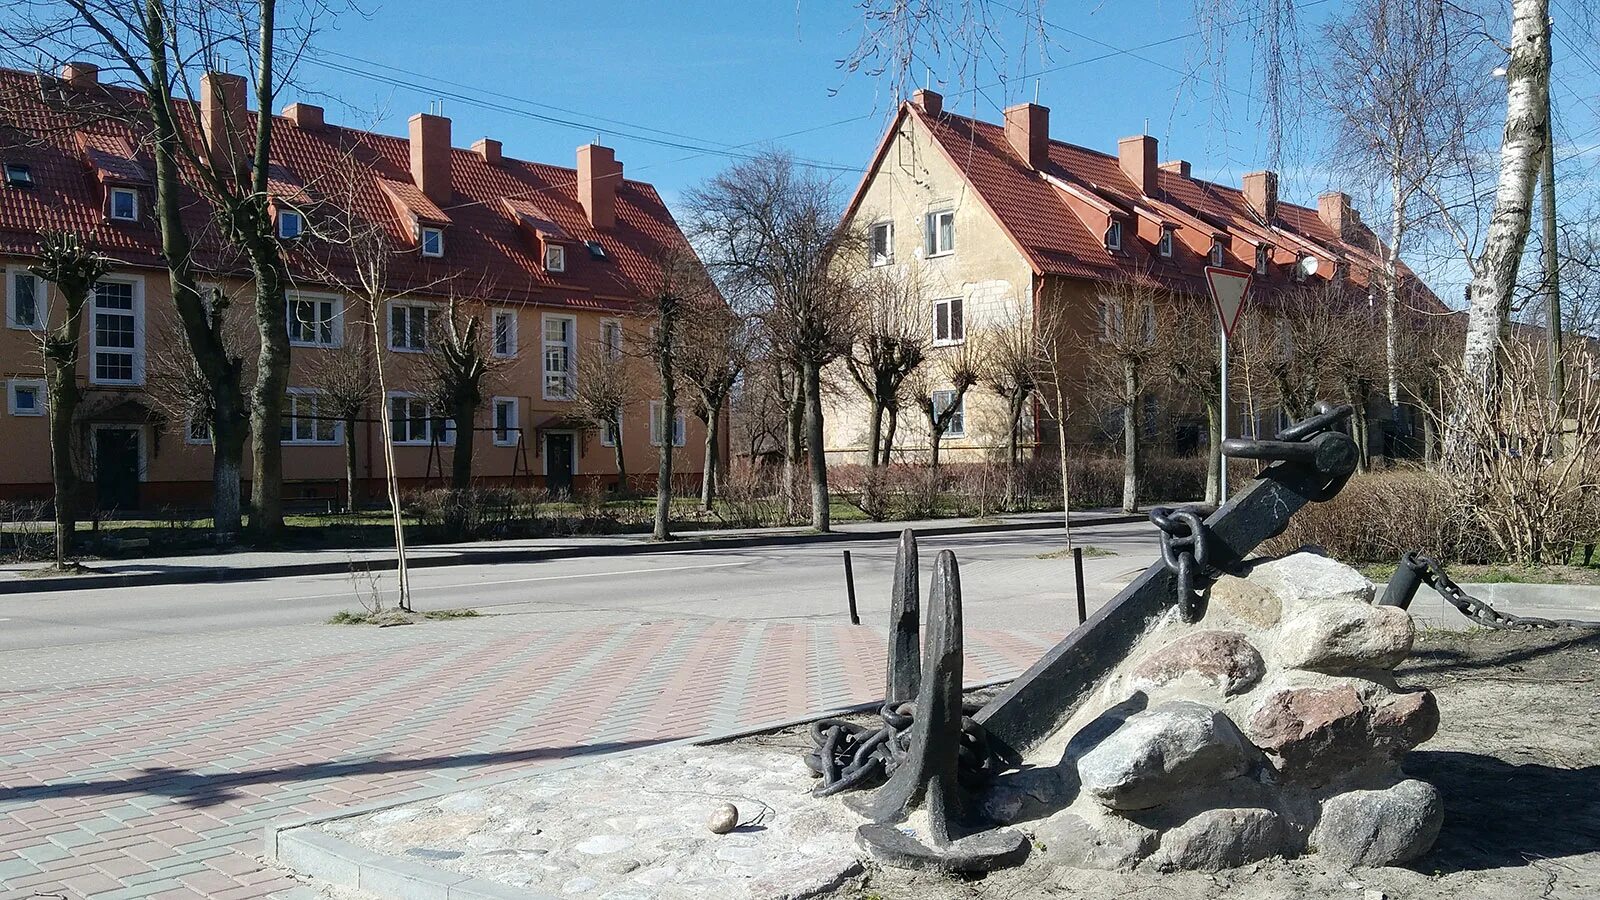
pixel 1228 292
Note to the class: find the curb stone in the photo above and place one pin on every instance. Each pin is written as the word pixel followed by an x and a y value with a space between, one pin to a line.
pixel 449 558
pixel 298 846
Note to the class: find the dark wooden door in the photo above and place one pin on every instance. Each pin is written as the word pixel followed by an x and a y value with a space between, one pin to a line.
pixel 116 468
pixel 558 463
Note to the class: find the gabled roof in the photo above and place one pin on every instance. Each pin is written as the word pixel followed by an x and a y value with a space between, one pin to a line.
pixel 326 170
pixel 1049 213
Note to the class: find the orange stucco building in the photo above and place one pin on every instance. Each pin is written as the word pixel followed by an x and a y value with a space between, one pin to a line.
pixel 553 260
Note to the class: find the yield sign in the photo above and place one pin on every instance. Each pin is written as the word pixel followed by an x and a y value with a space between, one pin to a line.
pixel 1228 292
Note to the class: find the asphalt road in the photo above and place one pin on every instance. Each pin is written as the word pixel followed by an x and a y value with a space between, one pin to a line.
pixel 1010 580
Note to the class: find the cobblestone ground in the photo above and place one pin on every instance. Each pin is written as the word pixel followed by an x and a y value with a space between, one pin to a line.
pixel 147 767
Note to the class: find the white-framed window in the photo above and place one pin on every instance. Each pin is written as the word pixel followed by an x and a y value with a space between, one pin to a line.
pixel 197 430
pixel 411 421
pixel 316 320
pixel 939 233
pixel 560 340
pixel 116 333
pixel 1216 251
pixel 1114 235
pixel 25 396
pixel 611 432
pixel 307 419
pixel 880 239
pixel 1111 320
pixel 555 258
pixel 124 204
pixel 1263 258
pixel 25 298
pixel 1164 246
pixel 679 425
pixel 18 175
pixel 290 224
pixel 949 324
pixel 504 332
pixel 431 240
pixel 410 325
pixel 611 338
pixel 957 426
pixel 507 414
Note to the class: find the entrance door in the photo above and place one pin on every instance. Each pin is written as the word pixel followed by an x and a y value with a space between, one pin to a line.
pixel 558 463
pixel 116 468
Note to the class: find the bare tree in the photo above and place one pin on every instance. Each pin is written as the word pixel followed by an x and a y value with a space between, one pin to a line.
pixel 1117 358
pixel 1188 331
pixel 715 350
pixel 73 265
pixel 1009 370
pixel 940 391
pixel 1054 355
pixel 605 387
pixel 666 324
pixel 891 341
pixel 456 365
pixel 770 230
pixel 347 377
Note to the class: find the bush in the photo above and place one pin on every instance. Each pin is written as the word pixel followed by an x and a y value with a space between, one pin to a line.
pixel 27 528
pixel 1379 516
pixel 752 495
pixel 472 512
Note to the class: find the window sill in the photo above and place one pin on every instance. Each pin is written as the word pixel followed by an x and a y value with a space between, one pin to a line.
pixel 17 326
pixel 338 443
pixel 511 355
pixel 28 415
pixel 950 342
pixel 394 349
pixel 940 255
pixel 315 345
pixel 880 263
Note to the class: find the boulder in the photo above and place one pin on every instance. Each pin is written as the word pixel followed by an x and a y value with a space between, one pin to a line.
pixel 1217 839
pixel 1402 721
pixel 1379 827
pixel 1306 579
pixel 1225 658
pixel 1345 635
pixel 1246 601
pixel 1313 734
pixel 1161 753
pixel 1107 842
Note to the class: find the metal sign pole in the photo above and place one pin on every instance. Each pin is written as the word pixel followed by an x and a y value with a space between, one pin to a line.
pixel 1222 461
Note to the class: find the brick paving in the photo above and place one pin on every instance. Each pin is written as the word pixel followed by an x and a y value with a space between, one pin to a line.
pixel 148 767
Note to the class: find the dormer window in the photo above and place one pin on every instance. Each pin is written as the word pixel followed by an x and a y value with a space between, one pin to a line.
pixel 18 175
pixel 1263 258
pixel 1114 236
pixel 124 204
pixel 555 258
pixel 1216 251
pixel 1164 246
pixel 432 241
pixel 290 224
pixel 595 250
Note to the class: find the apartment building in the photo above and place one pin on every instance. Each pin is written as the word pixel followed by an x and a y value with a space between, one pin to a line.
pixel 995 220
pixel 552 258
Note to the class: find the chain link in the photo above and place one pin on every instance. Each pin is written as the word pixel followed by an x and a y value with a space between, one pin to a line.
pixel 849 756
pixel 1433 575
pixel 1185 554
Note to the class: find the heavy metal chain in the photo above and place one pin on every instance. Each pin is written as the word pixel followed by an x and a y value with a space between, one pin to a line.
pixel 849 756
pixel 1184 553
pixel 1433 575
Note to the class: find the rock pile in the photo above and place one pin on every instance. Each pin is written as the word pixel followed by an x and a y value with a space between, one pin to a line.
pixel 1272 727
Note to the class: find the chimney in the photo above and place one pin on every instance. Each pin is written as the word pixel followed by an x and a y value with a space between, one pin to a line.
pixel 930 102
pixel 1333 208
pixel 1137 156
pixel 489 149
pixel 1176 167
pixel 222 117
pixel 430 156
pixel 599 174
pixel 80 74
pixel 1261 192
pixel 1028 131
pixel 304 116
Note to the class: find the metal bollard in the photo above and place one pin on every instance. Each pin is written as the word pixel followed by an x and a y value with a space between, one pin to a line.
pixel 1077 571
pixel 850 589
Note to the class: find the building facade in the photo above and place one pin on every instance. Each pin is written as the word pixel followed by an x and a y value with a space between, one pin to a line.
pixel 997 222
pixel 554 262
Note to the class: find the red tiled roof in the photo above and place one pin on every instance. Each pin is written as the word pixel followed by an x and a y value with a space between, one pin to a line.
pixel 1037 210
pixel 325 170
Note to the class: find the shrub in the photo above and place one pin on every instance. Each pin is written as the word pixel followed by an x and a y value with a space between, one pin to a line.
pixel 468 513
pixel 1379 516
pixel 752 495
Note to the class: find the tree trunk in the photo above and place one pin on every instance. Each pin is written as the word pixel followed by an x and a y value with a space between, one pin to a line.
pixel 266 400
pixel 666 329
pixel 351 503
pixel 1131 443
pixel 63 400
pixel 623 488
pixel 1214 461
pixel 1061 450
pixel 794 439
pixel 712 469
pixel 464 411
pixel 875 433
pixel 893 415
pixel 1391 298
pixel 1494 276
pixel 1014 409
pixel 820 513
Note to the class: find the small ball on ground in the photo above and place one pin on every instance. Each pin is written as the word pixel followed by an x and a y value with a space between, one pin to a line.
pixel 724 819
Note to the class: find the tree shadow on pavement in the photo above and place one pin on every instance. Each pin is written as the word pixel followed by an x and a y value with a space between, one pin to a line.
pixel 199 790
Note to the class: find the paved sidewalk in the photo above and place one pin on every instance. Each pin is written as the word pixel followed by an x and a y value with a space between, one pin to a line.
pixel 252 564
pixel 148 769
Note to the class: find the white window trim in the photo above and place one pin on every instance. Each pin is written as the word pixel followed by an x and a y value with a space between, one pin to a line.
pixel 949 341
pixel 606 442
pixel 144 445
pixel 952 432
pixel 1218 254
pixel 930 228
pixel 888 257
pixel 338 318
pixel 447 441
pixel 1113 236
pixel 37 384
pixel 560 258
pixel 422 242
pixel 41 299
pixel 388 323
pixel 572 352
pixel 1164 243
pixel 283 215
pixel 610 351
pixel 513 427
pixel 138 331
pixel 188 435
pixel 680 426
pixel 1263 259
pixel 338 427
pixel 111 204
pixel 494 332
